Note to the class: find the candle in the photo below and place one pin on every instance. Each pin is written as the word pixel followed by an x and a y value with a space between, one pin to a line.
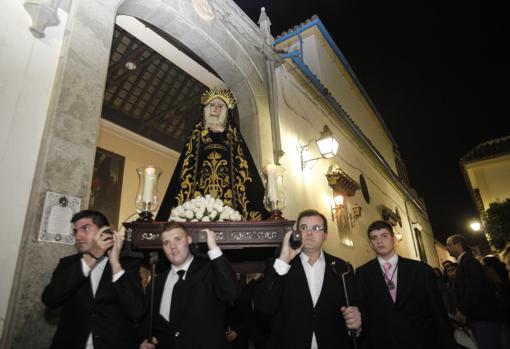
pixel 272 188
pixel 148 184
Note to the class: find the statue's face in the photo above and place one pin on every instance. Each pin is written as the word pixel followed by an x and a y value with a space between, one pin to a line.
pixel 215 114
pixel 215 107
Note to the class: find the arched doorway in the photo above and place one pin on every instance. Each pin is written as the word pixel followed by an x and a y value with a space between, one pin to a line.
pixel 66 155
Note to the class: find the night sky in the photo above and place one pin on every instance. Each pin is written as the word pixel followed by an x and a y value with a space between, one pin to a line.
pixel 438 75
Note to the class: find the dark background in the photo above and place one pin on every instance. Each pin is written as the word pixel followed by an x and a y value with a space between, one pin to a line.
pixel 437 72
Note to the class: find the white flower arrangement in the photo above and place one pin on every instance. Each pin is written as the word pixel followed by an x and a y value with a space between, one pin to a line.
pixel 204 209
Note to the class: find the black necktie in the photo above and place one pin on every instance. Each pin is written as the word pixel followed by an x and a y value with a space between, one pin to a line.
pixel 176 302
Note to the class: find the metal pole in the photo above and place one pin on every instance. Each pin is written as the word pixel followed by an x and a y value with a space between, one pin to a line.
pixel 153 259
pixel 352 333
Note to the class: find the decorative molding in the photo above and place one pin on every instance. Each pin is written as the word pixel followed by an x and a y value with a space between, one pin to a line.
pixel 121 132
pixel 391 217
pixel 417 226
pixel 43 14
pixel 340 182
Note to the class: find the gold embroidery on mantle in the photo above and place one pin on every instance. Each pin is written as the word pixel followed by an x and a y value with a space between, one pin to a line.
pixel 214 179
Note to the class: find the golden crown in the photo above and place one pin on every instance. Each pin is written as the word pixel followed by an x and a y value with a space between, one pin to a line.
pixel 224 94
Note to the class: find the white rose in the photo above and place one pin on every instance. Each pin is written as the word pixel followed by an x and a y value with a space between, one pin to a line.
pixel 199 214
pixel 178 211
pixel 213 214
pixel 206 219
pixel 179 219
pixel 188 214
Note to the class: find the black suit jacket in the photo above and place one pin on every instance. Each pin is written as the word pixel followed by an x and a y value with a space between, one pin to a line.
pixel 111 315
pixel 208 287
pixel 288 298
pixel 475 294
pixel 416 320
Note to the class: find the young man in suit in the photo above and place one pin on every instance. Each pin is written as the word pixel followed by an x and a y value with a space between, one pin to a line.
pixel 477 304
pixel 191 297
pixel 101 294
pixel 304 293
pixel 401 306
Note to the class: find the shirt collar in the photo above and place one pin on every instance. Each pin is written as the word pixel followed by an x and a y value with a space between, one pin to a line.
pixel 393 260
pixel 460 256
pixel 184 267
pixel 305 258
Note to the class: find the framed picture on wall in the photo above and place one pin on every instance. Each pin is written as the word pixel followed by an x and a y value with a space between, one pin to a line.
pixel 106 187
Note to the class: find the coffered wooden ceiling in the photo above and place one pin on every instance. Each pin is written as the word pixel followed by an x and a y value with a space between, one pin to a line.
pixel 157 99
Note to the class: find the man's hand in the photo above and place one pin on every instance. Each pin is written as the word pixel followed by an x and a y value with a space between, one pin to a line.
pixel 460 318
pixel 146 345
pixel 102 242
pixel 231 336
pixel 211 239
pixel 352 317
pixel 287 254
pixel 114 252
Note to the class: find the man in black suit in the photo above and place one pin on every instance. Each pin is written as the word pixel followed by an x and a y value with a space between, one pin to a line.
pixel 191 297
pixel 305 295
pixel 402 307
pixel 101 294
pixel 477 305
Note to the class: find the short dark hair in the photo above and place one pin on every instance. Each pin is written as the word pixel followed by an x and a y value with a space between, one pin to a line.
pixel 173 225
pixel 97 217
pixel 459 239
pixel 378 225
pixel 310 213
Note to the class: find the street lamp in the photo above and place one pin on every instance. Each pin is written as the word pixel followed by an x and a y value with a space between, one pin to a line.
pixel 476 226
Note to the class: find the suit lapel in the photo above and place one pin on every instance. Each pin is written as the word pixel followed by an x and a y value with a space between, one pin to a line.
pixel 104 282
pixel 404 278
pixel 302 282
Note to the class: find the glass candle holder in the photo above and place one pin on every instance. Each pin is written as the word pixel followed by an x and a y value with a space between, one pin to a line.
pixel 147 198
pixel 274 195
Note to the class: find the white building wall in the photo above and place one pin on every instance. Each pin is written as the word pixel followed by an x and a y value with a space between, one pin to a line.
pixel 322 61
pixel 302 119
pixel 27 72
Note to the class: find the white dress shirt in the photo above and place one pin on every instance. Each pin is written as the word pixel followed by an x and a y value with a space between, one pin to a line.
pixel 95 276
pixel 171 280
pixel 314 276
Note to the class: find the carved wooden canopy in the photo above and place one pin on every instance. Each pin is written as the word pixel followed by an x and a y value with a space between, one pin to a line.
pixel 341 183
pixel 391 217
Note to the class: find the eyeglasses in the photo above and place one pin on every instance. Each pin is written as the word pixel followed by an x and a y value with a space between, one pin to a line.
pixel 316 227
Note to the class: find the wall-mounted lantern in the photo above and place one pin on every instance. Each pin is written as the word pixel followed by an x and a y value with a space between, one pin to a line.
pixel 327 144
